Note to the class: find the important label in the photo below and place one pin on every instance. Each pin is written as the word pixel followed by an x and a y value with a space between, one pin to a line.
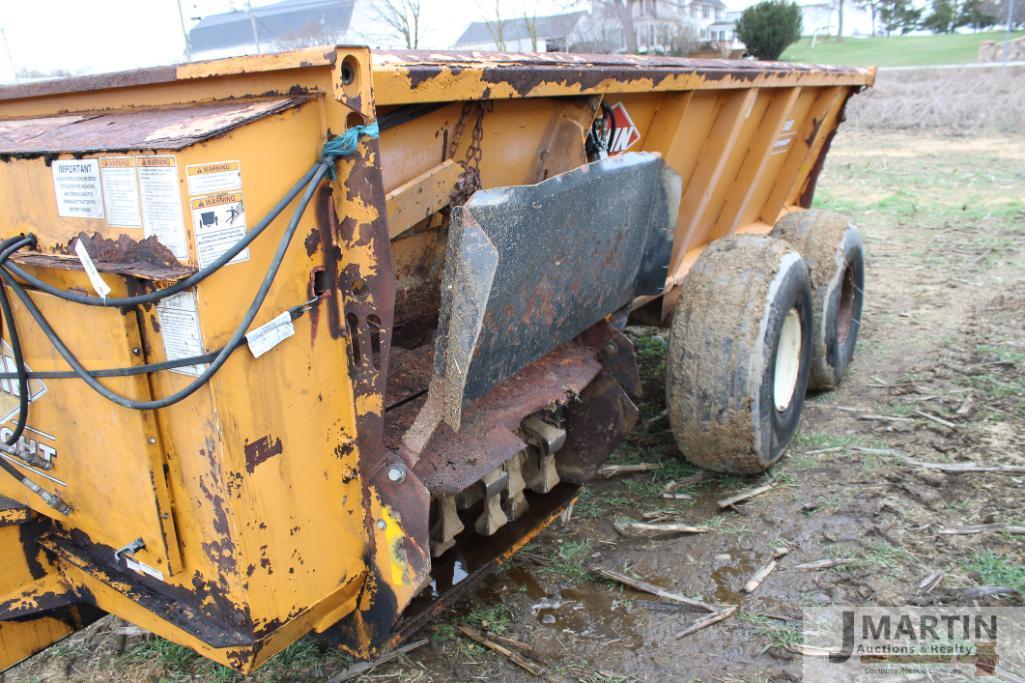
pixel 161 203
pixel 219 221
pixel 179 326
pixel 120 192
pixel 76 183
pixel 219 176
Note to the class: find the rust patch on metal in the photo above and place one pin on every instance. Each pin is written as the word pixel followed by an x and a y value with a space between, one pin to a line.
pixel 451 461
pixel 312 241
pixel 260 450
pixel 120 79
pixel 147 128
pixel 327 229
pixel 808 193
pixel 615 352
pixel 147 259
pixel 523 72
pixel 13 512
pixel 595 424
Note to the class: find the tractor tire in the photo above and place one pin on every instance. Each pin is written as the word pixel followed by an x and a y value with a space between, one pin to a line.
pixel 740 354
pixel 832 248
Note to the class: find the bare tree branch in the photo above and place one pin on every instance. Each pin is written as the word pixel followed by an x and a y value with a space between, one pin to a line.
pixel 401 16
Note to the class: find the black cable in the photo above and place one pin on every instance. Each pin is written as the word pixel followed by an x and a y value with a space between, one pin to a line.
pixel 221 357
pixel 6 247
pixel 21 374
pixel 21 377
pixel 190 281
pixel 132 370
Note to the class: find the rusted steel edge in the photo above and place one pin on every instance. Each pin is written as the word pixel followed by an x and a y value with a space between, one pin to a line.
pixel 560 73
pixel 283 61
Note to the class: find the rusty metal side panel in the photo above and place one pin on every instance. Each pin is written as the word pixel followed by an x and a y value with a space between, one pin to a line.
pixel 110 471
pixel 395 504
pixel 405 77
pixel 147 128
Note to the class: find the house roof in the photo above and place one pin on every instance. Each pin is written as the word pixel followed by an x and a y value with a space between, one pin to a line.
pixel 553 26
pixel 278 21
pixel 714 3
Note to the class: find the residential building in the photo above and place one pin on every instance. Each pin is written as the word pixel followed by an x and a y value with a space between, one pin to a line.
pixel 526 34
pixel 659 27
pixel 823 18
pixel 282 25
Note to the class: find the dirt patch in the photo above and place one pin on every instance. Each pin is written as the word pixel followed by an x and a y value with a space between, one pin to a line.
pixel 943 334
pixel 949 101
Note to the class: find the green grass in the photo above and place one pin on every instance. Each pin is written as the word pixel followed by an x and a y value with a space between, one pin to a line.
pixel 494 618
pixel 894 50
pixel 570 560
pixel 997 570
pixel 780 634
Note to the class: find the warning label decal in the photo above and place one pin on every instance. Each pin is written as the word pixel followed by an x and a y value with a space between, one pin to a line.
pixel 219 176
pixel 219 222
pixel 120 192
pixel 77 185
pixel 161 203
pixel 179 327
pixel 625 134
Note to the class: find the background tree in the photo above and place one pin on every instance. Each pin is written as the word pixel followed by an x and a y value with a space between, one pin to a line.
pixel 873 7
pixel 978 14
pixel 899 16
pixel 769 27
pixel 496 26
pixel 530 23
pixel 943 17
pixel 402 17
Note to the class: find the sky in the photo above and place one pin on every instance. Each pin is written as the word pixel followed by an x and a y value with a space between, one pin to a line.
pixel 93 36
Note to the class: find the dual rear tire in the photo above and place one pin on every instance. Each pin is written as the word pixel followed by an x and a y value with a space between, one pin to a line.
pixel 756 325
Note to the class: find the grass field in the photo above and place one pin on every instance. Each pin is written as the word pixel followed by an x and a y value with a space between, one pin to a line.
pixel 894 50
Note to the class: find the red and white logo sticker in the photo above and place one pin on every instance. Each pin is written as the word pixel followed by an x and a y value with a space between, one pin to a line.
pixel 625 134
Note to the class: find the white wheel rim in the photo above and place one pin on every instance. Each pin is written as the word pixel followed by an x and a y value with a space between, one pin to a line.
pixel 788 361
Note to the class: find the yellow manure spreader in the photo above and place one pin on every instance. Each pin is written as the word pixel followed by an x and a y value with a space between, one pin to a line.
pixel 306 341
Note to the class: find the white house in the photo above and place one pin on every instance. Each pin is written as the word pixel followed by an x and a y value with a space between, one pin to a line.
pixel 823 19
pixel 660 27
pixel 526 34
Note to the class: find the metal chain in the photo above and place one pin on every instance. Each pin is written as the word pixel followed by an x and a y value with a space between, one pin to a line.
pixel 468 181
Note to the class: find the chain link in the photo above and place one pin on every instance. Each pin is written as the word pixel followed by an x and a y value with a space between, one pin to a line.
pixel 468 181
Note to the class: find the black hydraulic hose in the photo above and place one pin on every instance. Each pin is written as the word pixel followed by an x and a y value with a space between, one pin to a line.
pixel 222 356
pixel 21 372
pixel 8 246
pixel 190 281
pixel 129 371
pixel 21 377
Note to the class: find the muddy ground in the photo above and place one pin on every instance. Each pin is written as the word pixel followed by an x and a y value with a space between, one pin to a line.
pixel 939 376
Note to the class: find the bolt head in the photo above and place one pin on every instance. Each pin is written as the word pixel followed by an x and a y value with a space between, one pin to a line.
pixel 396 474
pixel 152 440
pixel 610 348
pixel 381 524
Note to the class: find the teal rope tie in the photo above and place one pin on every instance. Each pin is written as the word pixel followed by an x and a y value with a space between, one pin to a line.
pixel 345 144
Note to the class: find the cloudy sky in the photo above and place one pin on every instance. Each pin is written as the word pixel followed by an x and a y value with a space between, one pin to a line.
pixel 91 36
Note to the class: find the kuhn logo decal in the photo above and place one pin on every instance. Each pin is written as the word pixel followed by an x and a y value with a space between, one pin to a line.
pixel 625 135
pixel 9 387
